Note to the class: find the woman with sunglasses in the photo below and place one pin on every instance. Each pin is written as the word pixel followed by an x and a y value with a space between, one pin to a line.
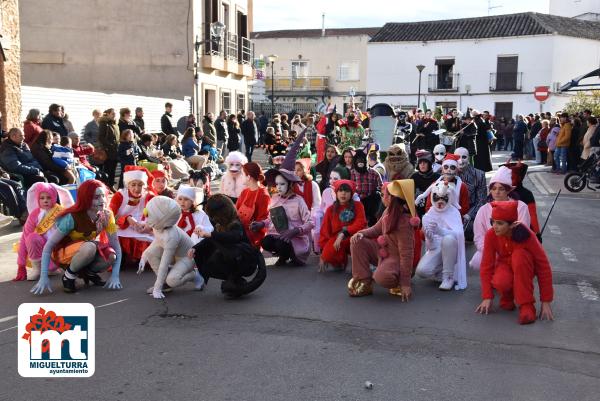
pixel 501 190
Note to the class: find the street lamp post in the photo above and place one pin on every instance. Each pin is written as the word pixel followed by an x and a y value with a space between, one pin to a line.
pixel 420 67
pixel 272 58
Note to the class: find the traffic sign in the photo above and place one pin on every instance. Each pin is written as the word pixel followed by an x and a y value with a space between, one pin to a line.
pixel 541 93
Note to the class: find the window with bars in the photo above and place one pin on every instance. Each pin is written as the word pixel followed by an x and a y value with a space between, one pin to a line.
pixel 348 71
pixel 226 102
pixel 299 69
pixel 241 101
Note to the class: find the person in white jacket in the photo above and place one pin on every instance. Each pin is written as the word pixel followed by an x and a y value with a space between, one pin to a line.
pixel 500 189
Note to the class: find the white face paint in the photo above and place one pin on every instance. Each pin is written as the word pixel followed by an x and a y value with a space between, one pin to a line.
pixel 235 168
pixel 449 170
pixel 281 184
pixel 334 176
pixel 360 164
pixel 464 157
pixel 439 152
pixel 99 201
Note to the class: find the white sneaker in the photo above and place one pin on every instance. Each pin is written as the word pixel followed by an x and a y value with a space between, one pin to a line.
pixel 447 284
pixel 34 273
pixel 198 281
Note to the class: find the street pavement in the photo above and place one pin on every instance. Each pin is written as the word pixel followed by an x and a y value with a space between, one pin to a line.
pixel 300 337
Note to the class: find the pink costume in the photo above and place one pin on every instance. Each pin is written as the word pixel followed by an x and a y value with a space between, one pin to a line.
pixel 298 216
pixel 34 236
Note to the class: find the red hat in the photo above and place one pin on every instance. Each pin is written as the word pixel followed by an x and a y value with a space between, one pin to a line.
pixel 159 174
pixel 137 173
pixel 505 211
pixel 451 158
pixel 339 183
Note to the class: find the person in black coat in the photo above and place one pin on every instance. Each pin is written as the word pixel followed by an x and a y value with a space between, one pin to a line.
pixel 54 120
pixel 234 131
pixel 250 133
pixel 166 121
pixel 466 139
pixel 126 122
pixel 226 253
pixel 482 159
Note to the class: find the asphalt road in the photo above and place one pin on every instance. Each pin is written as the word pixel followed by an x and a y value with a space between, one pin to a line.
pixel 300 337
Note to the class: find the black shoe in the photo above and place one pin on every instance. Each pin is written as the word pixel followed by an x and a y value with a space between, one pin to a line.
pixel 68 284
pixel 94 278
pixel 281 261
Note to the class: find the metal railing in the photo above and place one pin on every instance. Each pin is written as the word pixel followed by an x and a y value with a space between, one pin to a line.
pixel 506 81
pixel 288 83
pixel 232 46
pixel 443 82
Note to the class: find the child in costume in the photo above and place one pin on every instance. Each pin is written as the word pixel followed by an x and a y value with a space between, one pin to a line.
pixel 444 239
pixel 500 191
pixel 327 199
pixel 128 152
pixel 474 179
pixel 232 182
pixel 128 205
pixel 307 188
pixel 193 219
pixel 160 182
pixel 226 253
pixel 439 153
pixel 368 185
pixel 519 171
pixel 424 176
pixel 342 220
pixel 84 242
pixel 389 245
pixel 512 256
pixel 397 165
pixel 43 208
pixel 253 204
pixel 167 255
pixel 289 221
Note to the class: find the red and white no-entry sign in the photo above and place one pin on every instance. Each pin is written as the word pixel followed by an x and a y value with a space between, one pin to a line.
pixel 541 93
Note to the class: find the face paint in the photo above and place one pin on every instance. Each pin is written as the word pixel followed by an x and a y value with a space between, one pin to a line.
pixel 464 157
pixel 281 184
pixel 99 201
pixel 333 177
pixel 235 168
pixel 439 202
pixel 360 164
pixel 449 170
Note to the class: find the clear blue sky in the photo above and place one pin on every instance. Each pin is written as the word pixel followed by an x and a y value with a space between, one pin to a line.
pixel 305 14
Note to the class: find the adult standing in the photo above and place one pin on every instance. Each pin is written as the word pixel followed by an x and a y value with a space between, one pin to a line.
pixel 167 125
pixel 90 131
pixel 16 158
pixel 126 122
pixel 519 132
pixel 466 139
pixel 54 120
pixel 32 126
pixel 139 119
pixel 482 158
pixel 250 134
pixel 222 132
pixel 592 124
pixel 562 144
pixel 263 123
pixel 536 126
pixel 234 132
pixel 209 129
pixel 108 139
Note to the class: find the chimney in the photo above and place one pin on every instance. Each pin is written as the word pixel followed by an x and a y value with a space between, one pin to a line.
pixel 323 24
pixel 250 16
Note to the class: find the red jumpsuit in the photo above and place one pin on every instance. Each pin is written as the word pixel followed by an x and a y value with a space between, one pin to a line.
pixel 130 246
pixel 509 267
pixel 253 206
pixel 332 226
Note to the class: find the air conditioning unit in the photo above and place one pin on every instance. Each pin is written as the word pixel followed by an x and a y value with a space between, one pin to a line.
pixel 556 87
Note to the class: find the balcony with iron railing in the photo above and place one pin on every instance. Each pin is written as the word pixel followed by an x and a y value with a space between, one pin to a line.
pixel 298 84
pixel 443 82
pixel 506 81
pixel 231 53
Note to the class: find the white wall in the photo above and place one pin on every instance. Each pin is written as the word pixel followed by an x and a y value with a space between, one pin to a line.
pixel 542 59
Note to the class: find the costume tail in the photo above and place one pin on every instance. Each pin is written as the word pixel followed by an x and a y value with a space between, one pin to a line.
pixel 243 287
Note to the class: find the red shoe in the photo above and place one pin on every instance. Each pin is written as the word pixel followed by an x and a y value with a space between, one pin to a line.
pixel 21 274
pixel 506 301
pixel 527 314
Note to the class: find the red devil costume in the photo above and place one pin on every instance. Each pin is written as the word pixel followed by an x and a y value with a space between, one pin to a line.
pixel 519 171
pixel 509 264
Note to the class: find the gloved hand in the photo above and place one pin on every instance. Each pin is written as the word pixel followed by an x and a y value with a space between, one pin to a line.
pixel 113 282
pixel 466 219
pixel 421 200
pixel 256 225
pixel 42 285
pixel 157 294
pixel 287 235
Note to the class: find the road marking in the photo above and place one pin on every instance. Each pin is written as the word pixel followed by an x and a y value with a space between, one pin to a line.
pixel 540 184
pixel 10 328
pixel 555 230
pixel 10 237
pixel 112 303
pixel 587 291
pixel 7 318
pixel 569 254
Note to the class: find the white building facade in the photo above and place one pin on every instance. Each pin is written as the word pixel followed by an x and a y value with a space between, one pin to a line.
pixel 488 63
pixel 313 67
